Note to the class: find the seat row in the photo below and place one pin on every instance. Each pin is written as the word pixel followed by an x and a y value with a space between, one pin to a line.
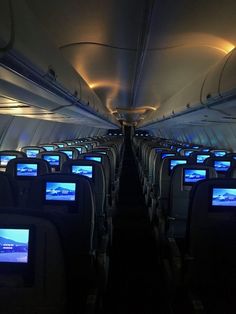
pixel 192 206
pixel 55 235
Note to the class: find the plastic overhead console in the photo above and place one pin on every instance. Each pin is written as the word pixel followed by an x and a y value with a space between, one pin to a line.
pixel 34 72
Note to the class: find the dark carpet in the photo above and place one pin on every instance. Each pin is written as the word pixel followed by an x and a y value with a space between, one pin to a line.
pixel 135 283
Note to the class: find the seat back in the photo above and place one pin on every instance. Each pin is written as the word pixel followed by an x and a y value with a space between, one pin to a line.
pixel 182 180
pixel 32 151
pixel 220 152
pixel 55 159
pixel 32 268
pixel 187 151
pixel 8 190
pixel 80 148
pixel 95 172
pixel 49 147
pixel 211 234
pixel 71 152
pixel 166 169
pixel 6 155
pixel 24 171
pixel 104 160
pixel 199 157
pixel 222 165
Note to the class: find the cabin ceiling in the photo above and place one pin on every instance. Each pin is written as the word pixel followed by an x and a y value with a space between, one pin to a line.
pixel 134 54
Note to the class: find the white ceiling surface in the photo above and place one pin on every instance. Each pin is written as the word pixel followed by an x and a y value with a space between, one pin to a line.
pixel 133 58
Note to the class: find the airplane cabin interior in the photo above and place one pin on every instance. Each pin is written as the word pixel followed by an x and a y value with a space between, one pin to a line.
pixel 117 157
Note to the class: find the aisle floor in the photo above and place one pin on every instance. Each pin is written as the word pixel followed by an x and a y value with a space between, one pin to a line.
pixel 136 284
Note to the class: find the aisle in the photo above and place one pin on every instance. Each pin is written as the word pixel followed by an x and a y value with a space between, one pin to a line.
pixel 135 284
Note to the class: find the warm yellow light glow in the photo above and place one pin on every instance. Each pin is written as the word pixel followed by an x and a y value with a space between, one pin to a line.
pixel 139 110
pixel 202 40
pixel 104 84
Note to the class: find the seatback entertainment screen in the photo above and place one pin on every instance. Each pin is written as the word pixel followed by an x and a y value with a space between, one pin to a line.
pixel 83 170
pixel 221 165
pixel 53 160
pixel 32 153
pixel 60 191
pixel 14 244
pixel 201 158
pixel 191 176
pixel 4 159
pixel 223 197
pixel 26 170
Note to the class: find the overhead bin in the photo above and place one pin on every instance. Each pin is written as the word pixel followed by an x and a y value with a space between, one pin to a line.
pixel 38 66
pixel 216 87
pixel 228 77
pixel 184 101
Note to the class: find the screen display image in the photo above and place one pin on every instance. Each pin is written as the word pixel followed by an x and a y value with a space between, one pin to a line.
pixel 176 162
pixel 220 153
pixel 69 153
pixel 14 245
pixel 83 170
pixel 167 155
pixel 26 170
pixel 5 158
pixel 223 197
pixel 48 148
pixel 52 159
pixel 60 191
pixel 188 152
pixel 194 175
pixel 32 153
pixel 94 158
pixel 221 165
pixel 201 158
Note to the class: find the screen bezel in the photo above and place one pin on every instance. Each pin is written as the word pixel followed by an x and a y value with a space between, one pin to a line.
pixel 26 163
pixel 196 169
pixel 82 174
pixel 60 202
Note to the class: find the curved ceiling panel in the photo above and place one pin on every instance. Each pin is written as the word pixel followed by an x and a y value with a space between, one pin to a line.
pixel 139 53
